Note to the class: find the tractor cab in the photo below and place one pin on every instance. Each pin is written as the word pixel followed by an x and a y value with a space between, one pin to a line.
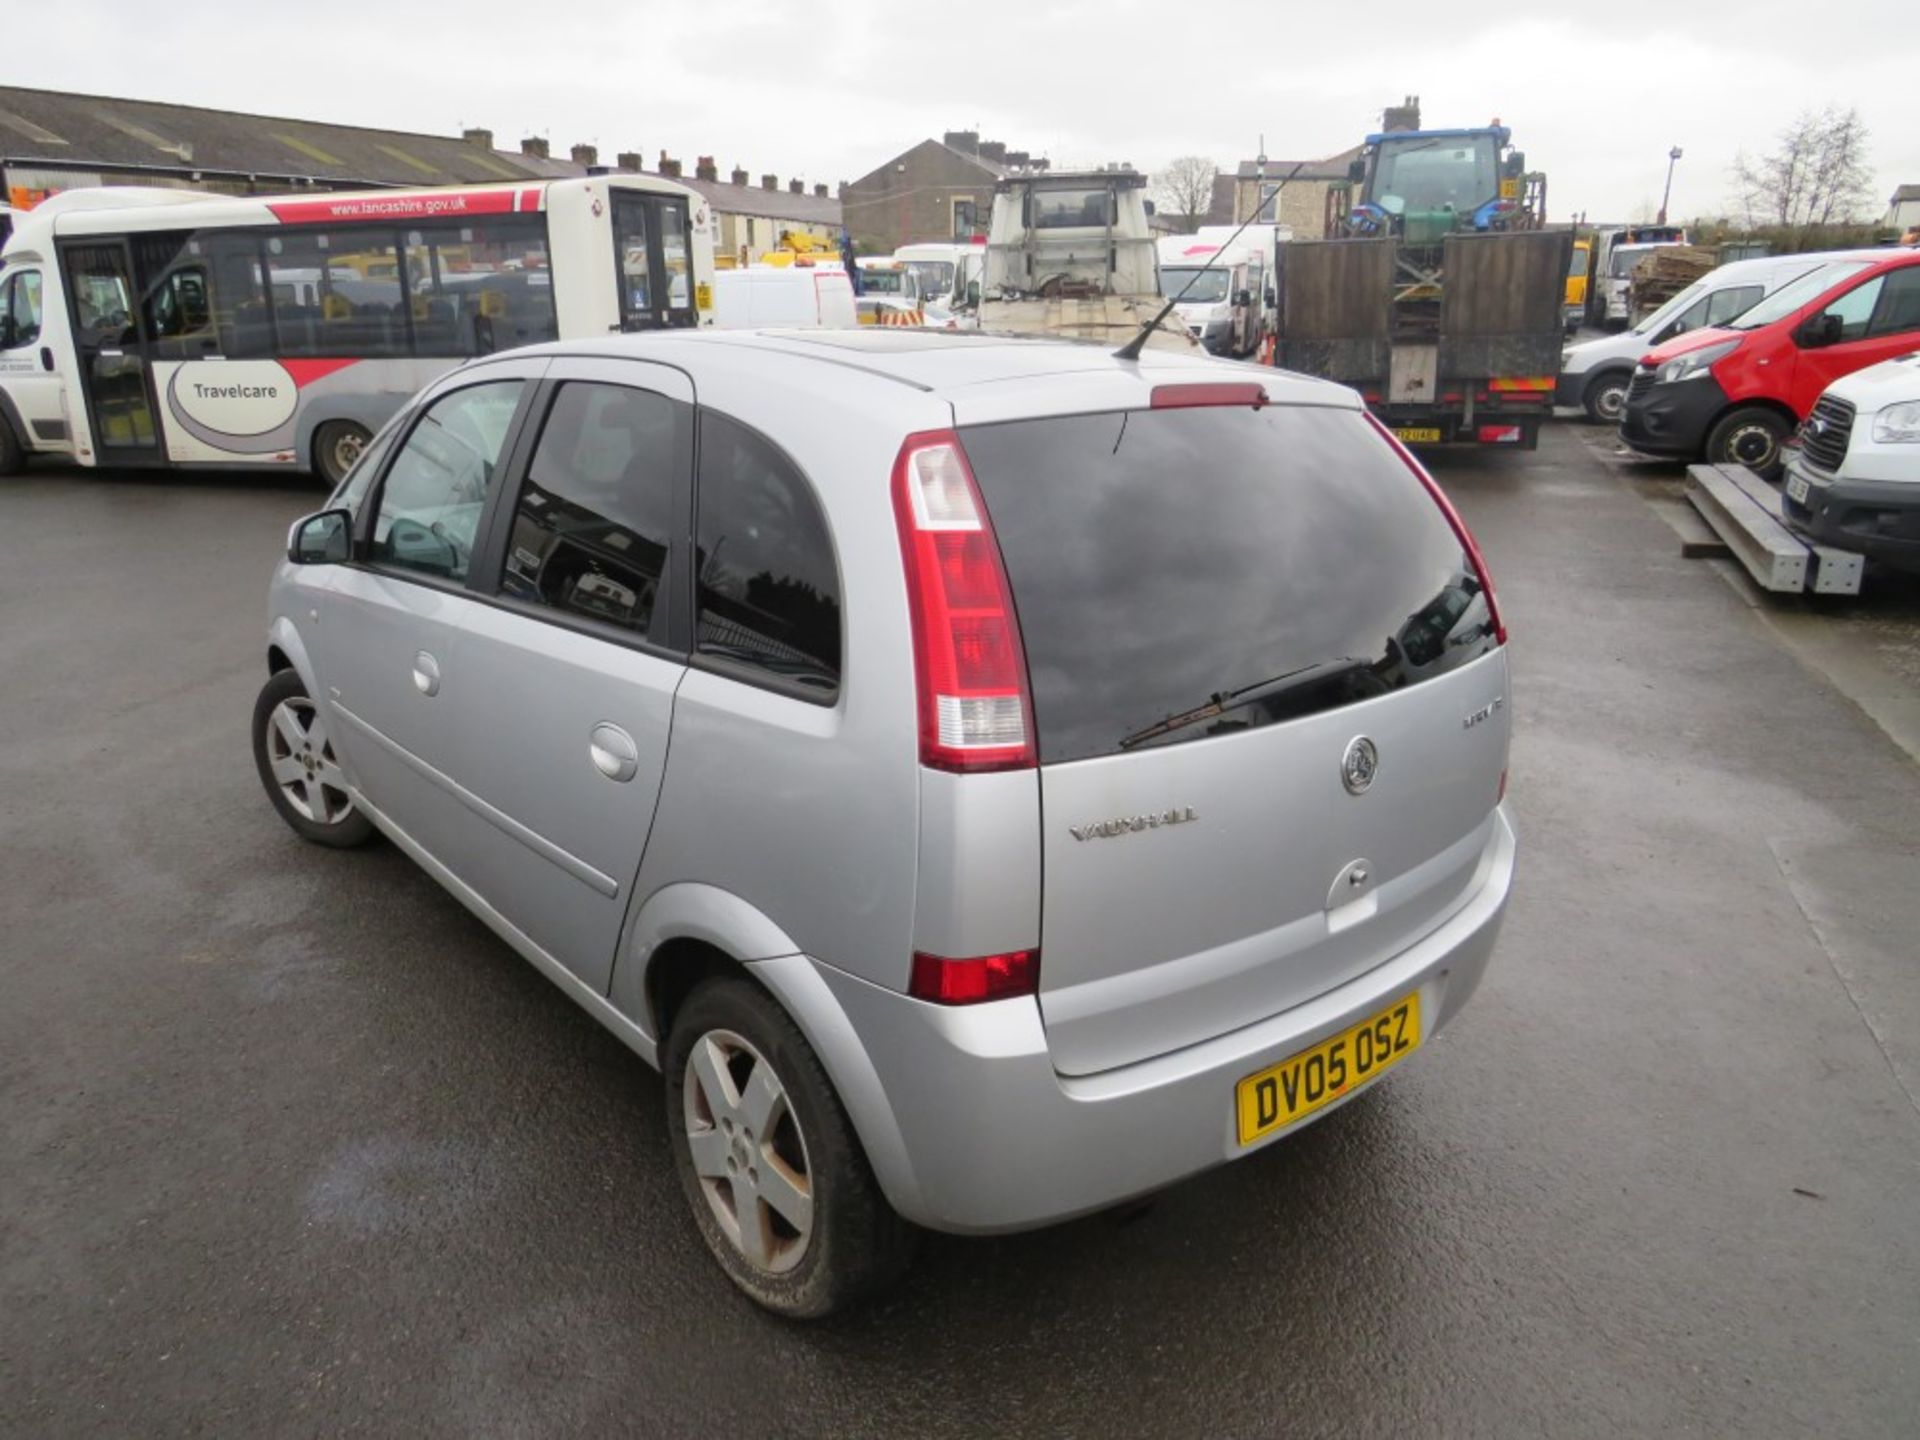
pixel 1423 185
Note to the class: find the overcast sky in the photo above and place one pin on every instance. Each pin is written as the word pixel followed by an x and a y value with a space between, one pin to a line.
pixel 826 90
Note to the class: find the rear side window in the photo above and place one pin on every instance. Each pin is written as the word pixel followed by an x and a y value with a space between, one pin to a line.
pixel 768 588
pixel 1186 573
pixel 592 527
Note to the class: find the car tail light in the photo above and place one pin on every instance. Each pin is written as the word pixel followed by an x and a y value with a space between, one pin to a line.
pixel 975 711
pixel 1467 542
pixel 968 982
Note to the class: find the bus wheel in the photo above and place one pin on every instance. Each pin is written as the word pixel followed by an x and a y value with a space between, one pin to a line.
pixel 336 445
pixel 13 455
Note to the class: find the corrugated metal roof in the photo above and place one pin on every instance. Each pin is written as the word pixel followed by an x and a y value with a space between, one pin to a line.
pixel 102 132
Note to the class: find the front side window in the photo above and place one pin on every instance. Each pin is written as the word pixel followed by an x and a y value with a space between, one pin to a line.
pixel 434 495
pixel 592 528
pixel 1854 310
pixel 1899 308
pixel 768 589
pixel 22 308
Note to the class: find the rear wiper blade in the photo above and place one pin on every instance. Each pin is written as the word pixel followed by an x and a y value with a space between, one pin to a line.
pixel 1222 701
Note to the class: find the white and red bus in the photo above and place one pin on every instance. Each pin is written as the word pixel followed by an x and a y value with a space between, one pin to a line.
pixel 168 327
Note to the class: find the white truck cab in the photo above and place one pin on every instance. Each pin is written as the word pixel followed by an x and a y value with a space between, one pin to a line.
pixel 1220 291
pixel 944 269
pixel 889 292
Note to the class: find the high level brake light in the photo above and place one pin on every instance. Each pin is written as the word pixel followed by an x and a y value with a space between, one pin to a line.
pixel 975 711
pixel 1460 530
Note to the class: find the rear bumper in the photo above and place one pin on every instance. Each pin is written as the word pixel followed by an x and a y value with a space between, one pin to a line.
pixel 970 1129
pixel 1879 519
pixel 1673 420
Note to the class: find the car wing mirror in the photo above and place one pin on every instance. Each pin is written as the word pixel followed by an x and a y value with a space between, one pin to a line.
pixel 325 538
pixel 1820 331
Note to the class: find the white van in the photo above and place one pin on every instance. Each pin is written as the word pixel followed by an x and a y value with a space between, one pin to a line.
pixel 1220 291
pixel 805 297
pixel 943 269
pixel 1594 373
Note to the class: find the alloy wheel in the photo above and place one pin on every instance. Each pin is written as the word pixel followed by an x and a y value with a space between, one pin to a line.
pixel 300 754
pixel 748 1151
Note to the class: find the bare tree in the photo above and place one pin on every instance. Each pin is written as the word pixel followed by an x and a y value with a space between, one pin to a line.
pixel 1817 176
pixel 1185 187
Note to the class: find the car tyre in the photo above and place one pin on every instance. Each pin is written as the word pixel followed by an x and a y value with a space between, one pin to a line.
pixel 336 445
pixel 293 751
pixel 779 1186
pixel 13 455
pixel 1605 397
pixel 1750 436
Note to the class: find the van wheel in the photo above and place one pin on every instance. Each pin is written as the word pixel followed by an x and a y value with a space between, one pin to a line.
pixel 1749 437
pixel 13 455
pixel 779 1187
pixel 1605 397
pixel 336 445
pixel 294 755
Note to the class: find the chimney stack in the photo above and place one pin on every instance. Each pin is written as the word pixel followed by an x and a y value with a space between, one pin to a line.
pixel 993 152
pixel 1018 159
pixel 534 146
pixel 797 187
pixel 705 169
pixel 965 141
pixel 587 155
pixel 820 192
pixel 670 168
pixel 1404 116
pixel 769 182
pixel 630 160
pixel 482 138
pixel 740 177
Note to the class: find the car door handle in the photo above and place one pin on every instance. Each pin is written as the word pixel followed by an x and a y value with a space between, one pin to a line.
pixel 426 674
pixel 613 752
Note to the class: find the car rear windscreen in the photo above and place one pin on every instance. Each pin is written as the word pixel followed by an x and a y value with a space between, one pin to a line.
pixel 1194 572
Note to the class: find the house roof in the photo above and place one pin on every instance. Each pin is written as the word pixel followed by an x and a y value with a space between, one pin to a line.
pixel 1330 167
pixel 724 197
pixel 57 129
pixel 988 169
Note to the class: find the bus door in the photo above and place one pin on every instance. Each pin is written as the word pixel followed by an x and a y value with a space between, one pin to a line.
pixel 654 261
pixel 110 350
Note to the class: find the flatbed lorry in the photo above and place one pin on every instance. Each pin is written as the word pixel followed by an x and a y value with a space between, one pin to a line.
pixel 1437 291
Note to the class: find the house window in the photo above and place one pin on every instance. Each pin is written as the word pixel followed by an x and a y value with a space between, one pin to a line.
pixel 965 217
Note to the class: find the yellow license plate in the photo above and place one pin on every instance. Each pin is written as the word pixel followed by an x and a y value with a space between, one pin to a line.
pixel 1271 1099
pixel 1418 434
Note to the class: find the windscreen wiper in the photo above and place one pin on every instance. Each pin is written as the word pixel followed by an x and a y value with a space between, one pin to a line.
pixel 1223 701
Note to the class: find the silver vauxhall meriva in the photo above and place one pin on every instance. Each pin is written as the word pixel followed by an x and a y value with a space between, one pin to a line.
pixel 991 779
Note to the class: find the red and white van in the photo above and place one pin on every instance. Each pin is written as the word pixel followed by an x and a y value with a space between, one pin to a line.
pixel 1734 393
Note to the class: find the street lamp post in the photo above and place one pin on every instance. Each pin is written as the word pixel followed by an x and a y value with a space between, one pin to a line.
pixel 1667 194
